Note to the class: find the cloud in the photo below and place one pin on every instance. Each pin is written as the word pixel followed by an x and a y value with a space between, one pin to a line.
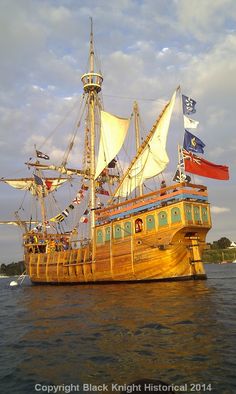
pixel 219 210
pixel 205 20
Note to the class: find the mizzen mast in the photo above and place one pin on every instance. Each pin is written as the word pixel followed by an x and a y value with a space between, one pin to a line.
pixel 92 82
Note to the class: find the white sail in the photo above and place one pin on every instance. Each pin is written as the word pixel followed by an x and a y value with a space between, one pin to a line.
pixel 49 185
pixel 152 157
pixel 113 133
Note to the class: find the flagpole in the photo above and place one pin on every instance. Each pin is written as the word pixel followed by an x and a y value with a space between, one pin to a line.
pixel 180 154
pixel 179 164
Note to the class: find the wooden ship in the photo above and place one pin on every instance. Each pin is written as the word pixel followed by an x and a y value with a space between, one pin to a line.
pixel 133 235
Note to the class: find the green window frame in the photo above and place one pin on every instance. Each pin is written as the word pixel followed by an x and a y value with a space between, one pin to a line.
pixel 205 217
pixel 196 213
pixel 99 236
pixel 175 215
pixel 127 229
pixel 117 231
pixel 162 218
pixel 188 212
pixel 150 222
pixel 108 233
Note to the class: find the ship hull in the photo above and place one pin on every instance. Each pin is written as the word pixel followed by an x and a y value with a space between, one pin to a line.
pixel 146 262
pixel 148 239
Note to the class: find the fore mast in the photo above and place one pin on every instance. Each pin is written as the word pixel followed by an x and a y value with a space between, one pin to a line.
pixel 92 82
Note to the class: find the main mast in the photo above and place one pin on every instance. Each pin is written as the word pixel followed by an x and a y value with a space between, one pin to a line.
pixel 92 83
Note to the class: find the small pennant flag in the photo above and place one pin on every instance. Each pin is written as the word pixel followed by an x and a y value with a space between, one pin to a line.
pixel 190 123
pixel 80 194
pixel 42 155
pixel 180 177
pixel 48 184
pixel 188 105
pixel 83 219
pixel 58 218
pixel 77 201
pixel 100 190
pixel 78 198
pixel 65 212
pixel 38 180
pixel 84 187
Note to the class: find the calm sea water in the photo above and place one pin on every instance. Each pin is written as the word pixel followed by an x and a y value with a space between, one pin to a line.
pixel 183 333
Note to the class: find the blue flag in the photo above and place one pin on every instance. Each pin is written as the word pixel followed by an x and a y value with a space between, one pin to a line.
pixel 38 180
pixel 188 105
pixel 193 143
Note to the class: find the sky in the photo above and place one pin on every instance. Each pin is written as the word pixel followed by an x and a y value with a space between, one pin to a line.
pixel 146 49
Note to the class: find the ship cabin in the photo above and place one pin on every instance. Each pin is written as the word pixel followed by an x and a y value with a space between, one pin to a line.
pixel 181 209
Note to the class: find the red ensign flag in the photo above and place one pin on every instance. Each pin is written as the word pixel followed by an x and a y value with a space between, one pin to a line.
pixel 199 166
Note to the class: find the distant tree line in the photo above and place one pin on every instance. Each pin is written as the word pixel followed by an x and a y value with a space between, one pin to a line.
pixel 222 243
pixel 219 251
pixel 12 269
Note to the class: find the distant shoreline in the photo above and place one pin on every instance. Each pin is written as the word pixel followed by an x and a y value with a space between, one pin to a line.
pixel 219 255
pixel 12 269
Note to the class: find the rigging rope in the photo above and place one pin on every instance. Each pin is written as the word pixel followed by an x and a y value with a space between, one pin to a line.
pixel 62 121
pixel 130 98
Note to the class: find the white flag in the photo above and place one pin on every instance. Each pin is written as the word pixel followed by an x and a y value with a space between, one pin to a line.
pixel 190 123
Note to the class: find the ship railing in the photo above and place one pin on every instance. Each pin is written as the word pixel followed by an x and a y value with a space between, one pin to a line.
pixel 163 196
pixel 35 242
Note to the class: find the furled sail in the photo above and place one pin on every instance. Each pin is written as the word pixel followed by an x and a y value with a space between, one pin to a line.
pixel 47 186
pixel 113 133
pixel 152 157
pixel 62 169
pixel 17 222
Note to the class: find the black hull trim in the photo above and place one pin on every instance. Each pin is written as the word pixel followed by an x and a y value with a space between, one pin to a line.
pixel 135 281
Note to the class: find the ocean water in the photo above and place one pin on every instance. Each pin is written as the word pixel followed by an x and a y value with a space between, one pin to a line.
pixel 78 338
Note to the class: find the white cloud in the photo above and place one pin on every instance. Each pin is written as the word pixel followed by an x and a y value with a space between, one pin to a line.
pixel 203 19
pixel 219 210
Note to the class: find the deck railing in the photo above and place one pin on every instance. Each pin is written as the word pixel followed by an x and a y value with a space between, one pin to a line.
pixel 163 195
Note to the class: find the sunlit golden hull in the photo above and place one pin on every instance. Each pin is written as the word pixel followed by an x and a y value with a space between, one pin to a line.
pixel 133 243
pixel 135 259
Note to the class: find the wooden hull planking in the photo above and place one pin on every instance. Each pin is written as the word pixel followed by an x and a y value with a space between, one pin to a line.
pixel 167 246
pixel 154 264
